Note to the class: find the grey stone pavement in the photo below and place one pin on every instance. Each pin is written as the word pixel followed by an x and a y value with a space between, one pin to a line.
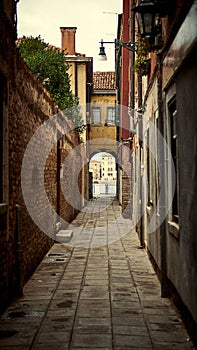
pixel 94 293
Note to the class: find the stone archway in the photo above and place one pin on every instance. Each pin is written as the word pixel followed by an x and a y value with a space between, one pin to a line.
pixel 103 174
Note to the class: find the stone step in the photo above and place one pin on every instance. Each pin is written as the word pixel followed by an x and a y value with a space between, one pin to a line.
pixel 64 236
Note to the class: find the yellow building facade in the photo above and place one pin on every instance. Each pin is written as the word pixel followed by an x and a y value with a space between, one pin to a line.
pixel 80 71
pixel 102 133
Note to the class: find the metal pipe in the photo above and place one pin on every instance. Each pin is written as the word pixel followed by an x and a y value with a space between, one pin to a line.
pixel 132 101
pixel 19 255
pixel 161 157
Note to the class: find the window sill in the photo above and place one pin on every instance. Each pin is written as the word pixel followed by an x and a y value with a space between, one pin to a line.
pixel 173 229
pixel 149 209
pixel 3 209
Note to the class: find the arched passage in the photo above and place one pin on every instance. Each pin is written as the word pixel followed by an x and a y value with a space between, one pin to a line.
pixel 103 174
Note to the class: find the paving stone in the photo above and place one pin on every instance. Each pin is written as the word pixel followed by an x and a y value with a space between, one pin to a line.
pixel 52 337
pixel 50 346
pixel 131 330
pixel 126 305
pixel 131 347
pixel 130 341
pixel 15 347
pixel 93 311
pixel 89 347
pixel 128 320
pixel 94 303
pixel 60 313
pixel 52 324
pixel 93 321
pixel 96 282
pixel 92 329
pixel 169 336
pixel 67 295
pixel 22 337
pixel 124 295
pixel 96 289
pixel 124 312
pixel 93 294
pixel 173 346
pixel 92 340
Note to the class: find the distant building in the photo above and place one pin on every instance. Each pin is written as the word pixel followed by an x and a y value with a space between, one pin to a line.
pixel 80 70
pixel 108 168
pixel 104 175
pixel 102 129
pixel 95 167
pixel 102 132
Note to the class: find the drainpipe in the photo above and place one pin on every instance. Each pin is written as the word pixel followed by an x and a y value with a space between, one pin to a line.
pixel 141 228
pixel 58 174
pixel 132 101
pixel 19 255
pixel 161 161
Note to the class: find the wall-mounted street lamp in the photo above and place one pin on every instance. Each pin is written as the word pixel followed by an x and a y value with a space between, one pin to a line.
pixel 128 45
pixel 149 13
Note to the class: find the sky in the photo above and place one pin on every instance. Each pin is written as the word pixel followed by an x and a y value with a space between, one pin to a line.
pixel 94 19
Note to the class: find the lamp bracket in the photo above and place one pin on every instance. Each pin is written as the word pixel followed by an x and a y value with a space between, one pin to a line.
pixel 131 46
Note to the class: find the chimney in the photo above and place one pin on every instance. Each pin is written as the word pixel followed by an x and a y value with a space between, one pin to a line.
pixel 68 39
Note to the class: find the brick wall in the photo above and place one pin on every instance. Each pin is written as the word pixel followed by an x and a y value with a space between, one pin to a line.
pixel 27 106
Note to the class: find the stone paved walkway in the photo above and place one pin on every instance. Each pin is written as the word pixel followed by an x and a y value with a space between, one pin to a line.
pixel 103 297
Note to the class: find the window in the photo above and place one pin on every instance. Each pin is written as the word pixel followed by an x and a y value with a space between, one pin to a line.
pixel 174 152
pixel 111 115
pixel 2 103
pixel 96 115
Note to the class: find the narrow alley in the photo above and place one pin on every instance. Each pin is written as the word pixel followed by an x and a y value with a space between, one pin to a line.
pixel 94 293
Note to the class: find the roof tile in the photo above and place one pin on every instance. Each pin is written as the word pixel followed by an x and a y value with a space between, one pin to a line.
pixel 104 81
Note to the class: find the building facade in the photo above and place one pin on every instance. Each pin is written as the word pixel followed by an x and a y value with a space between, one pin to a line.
pixel 103 116
pixel 104 174
pixel 102 130
pixel 163 158
pixel 80 71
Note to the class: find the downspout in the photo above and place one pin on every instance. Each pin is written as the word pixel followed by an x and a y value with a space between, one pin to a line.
pixel 132 100
pixel 58 175
pixel 19 255
pixel 161 162
pixel 89 85
pixel 141 228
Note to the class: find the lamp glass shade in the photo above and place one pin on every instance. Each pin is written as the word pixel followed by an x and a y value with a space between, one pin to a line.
pixel 148 21
pixel 147 16
pixel 102 55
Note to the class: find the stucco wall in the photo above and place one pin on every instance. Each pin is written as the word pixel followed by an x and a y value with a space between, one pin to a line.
pixel 102 137
pixel 181 252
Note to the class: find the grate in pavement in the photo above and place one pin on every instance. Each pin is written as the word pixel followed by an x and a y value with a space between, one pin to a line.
pixel 57 257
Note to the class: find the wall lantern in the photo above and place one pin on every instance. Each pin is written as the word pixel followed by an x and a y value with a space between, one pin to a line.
pixel 102 55
pixel 128 45
pixel 149 13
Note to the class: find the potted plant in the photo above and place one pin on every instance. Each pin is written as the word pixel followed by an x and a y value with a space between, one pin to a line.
pixel 142 63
